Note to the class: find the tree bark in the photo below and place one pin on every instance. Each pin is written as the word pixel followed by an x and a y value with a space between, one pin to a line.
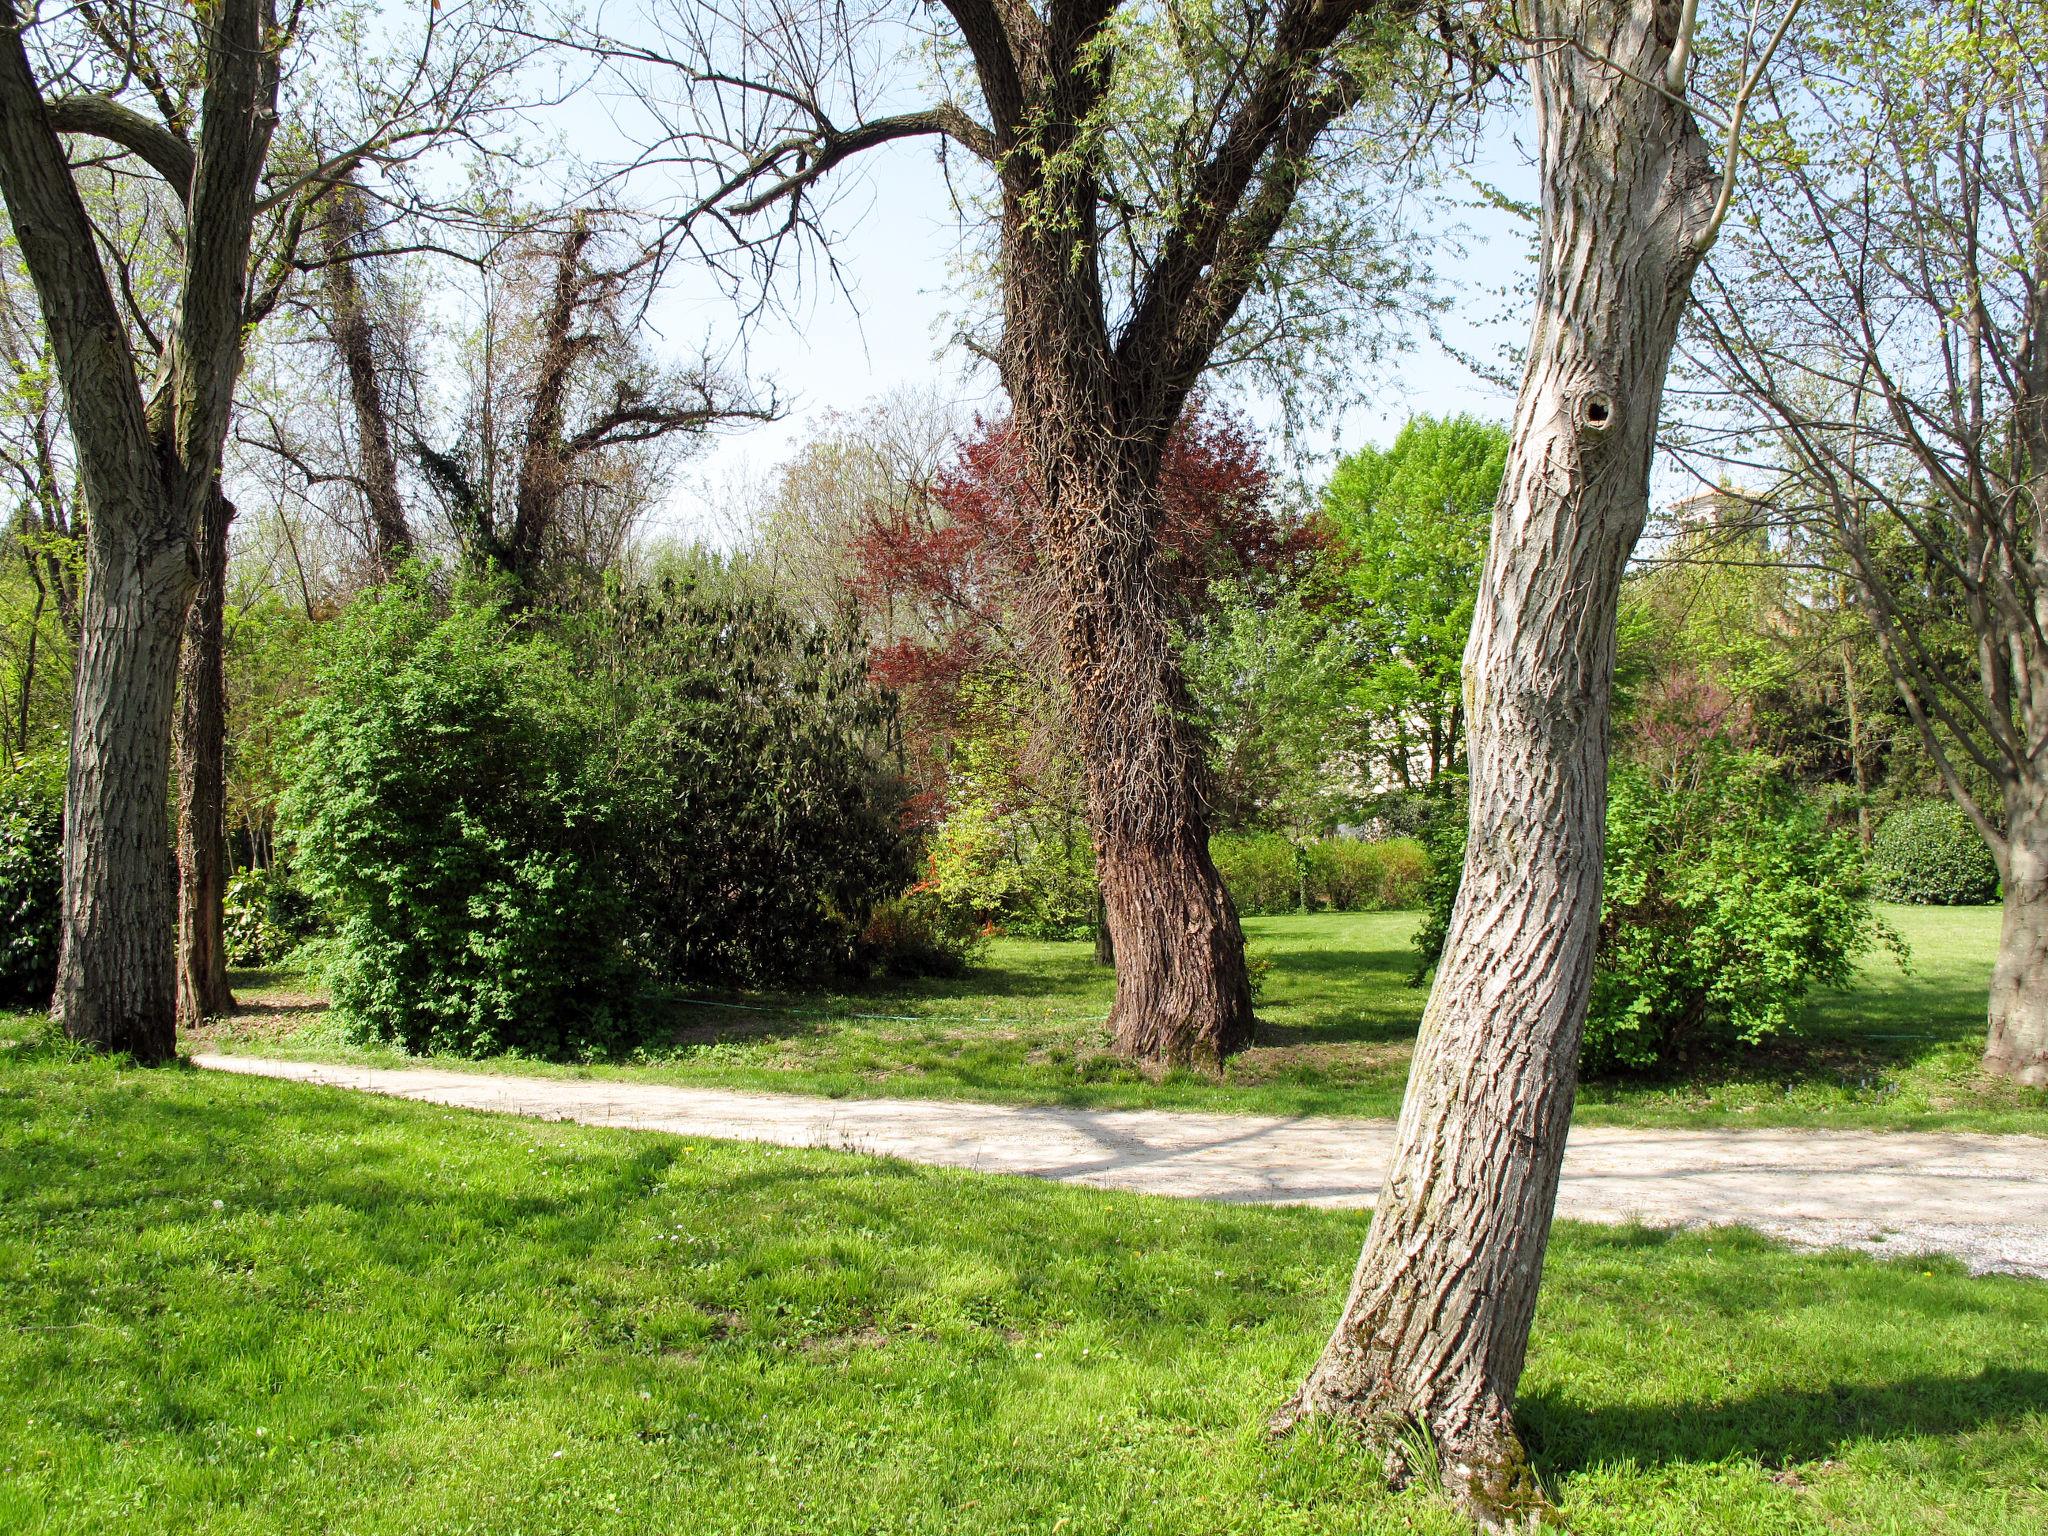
pixel 114 964
pixel 202 780
pixel 1183 996
pixel 1436 1326
pixel 2017 1047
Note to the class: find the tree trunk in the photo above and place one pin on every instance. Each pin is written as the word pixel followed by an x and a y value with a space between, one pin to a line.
pixel 202 772
pixel 1436 1326
pixel 1183 997
pixel 1105 947
pixel 2018 1045
pixel 349 323
pixel 114 970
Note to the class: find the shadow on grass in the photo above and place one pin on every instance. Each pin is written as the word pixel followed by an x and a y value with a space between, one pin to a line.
pixel 1793 1425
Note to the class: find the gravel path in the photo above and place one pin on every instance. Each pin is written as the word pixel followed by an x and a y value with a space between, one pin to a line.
pixel 1982 1199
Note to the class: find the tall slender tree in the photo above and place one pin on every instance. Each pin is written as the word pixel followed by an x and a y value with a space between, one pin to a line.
pixel 1436 1326
pixel 1149 176
pixel 194 94
pixel 1879 320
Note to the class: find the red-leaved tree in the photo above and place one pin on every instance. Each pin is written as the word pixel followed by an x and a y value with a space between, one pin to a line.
pixel 952 585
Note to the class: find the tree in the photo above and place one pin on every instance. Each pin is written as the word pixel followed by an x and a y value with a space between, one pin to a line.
pixel 949 574
pixel 1272 678
pixel 192 97
pixel 1436 1326
pixel 565 414
pixel 352 327
pixel 147 474
pixel 1408 535
pixel 1145 176
pixel 1880 322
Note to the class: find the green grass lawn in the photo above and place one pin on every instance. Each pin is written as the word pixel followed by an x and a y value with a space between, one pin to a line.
pixel 1894 1050
pixel 233 1305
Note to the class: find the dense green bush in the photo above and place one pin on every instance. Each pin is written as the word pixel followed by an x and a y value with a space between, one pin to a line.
pixel 1260 869
pixel 518 818
pixel 1726 900
pixel 1930 853
pixel 1349 875
pixel 31 880
pixel 266 915
pixel 1267 873
pixel 762 813
pixel 443 806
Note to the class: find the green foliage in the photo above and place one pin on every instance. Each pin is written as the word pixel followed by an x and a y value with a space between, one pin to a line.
pixel 921 934
pixel 31 879
pixel 1271 678
pixel 1725 901
pixel 1266 873
pixel 266 915
pixel 1350 875
pixel 1260 869
pixel 443 806
pixel 516 820
pixel 748 750
pixel 1014 850
pixel 1409 528
pixel 1930 853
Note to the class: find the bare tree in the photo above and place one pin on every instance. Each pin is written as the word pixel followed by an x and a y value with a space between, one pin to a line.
pixel 1879 324
pixel 568 413
pixel 354 333
pixel 1148 180
pixel 1436 1326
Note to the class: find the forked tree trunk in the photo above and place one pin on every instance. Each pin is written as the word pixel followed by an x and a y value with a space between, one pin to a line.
pixel 114 970
pixel 1436 1326
pixel 146 471
pixel 202 774
pixel 2018 1044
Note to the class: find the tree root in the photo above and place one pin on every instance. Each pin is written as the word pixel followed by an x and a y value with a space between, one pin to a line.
pixel 1483 1472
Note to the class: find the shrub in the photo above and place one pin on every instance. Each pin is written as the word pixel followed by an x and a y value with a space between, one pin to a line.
pixel 442 807
pixel 267 915
pixel 1931 853
pixel 517 819
pixel 1344 874
pixel 1404 874
pixel 1726 901
pixel 31 880
pixel 760 813
pixel 919 934
pixel 1260 870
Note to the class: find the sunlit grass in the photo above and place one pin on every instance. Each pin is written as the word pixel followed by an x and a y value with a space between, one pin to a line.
pixel 238 1306
pixel 1897 1049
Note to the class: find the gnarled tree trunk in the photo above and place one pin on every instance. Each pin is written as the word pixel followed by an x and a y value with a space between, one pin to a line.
pixel 1437 1321
pixel 1183 996
pixel 202 779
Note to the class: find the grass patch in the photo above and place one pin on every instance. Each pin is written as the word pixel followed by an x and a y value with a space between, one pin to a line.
pixel 1338 1018
pixel 242 1306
